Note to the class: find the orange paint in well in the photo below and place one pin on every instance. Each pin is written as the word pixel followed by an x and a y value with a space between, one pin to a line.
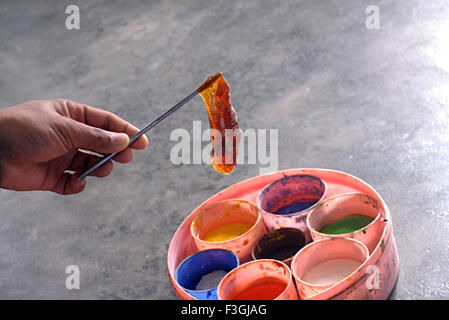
pixel 270 289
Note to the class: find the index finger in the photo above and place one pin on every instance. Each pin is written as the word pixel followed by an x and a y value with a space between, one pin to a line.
pixel 106 120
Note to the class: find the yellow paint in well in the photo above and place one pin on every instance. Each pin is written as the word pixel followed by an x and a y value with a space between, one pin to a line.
pixel 197 222
pixel 227 232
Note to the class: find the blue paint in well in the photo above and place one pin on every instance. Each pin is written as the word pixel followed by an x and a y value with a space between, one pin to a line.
pixel 296 207
pixel 194 267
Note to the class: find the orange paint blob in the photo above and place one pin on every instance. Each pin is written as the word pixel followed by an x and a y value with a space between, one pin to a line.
pixel 270 289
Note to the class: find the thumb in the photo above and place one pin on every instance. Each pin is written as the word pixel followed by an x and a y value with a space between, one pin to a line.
pixel 96 139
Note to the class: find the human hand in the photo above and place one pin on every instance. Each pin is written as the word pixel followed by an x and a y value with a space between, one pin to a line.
pixel 41 140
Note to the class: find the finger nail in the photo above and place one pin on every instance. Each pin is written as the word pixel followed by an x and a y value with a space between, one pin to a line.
pixel 119 139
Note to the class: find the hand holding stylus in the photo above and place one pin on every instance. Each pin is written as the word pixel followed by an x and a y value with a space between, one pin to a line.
pixel 41 140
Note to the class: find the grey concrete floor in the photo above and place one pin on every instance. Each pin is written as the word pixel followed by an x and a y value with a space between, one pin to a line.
pixel 373 103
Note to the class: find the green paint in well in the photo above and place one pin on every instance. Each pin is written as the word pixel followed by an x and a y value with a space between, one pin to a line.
pixel 348 224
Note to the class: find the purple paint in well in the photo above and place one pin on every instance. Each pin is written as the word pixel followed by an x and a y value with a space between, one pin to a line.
pixel 287 201
pixel 292 194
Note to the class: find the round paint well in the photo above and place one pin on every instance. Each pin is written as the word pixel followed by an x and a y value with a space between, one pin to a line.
pixel 223 215
pixel 192 271
pixel 287 201
pixel 336 209
pixel 327 262
pixel 265 279
pixel 280 244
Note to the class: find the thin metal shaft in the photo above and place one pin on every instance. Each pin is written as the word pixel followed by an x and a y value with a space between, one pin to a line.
pixel 108 157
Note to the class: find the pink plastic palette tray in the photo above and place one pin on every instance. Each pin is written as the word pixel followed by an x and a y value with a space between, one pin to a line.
pixel 383 259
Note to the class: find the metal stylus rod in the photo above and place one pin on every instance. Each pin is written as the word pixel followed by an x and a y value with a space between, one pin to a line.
pixel 108 157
